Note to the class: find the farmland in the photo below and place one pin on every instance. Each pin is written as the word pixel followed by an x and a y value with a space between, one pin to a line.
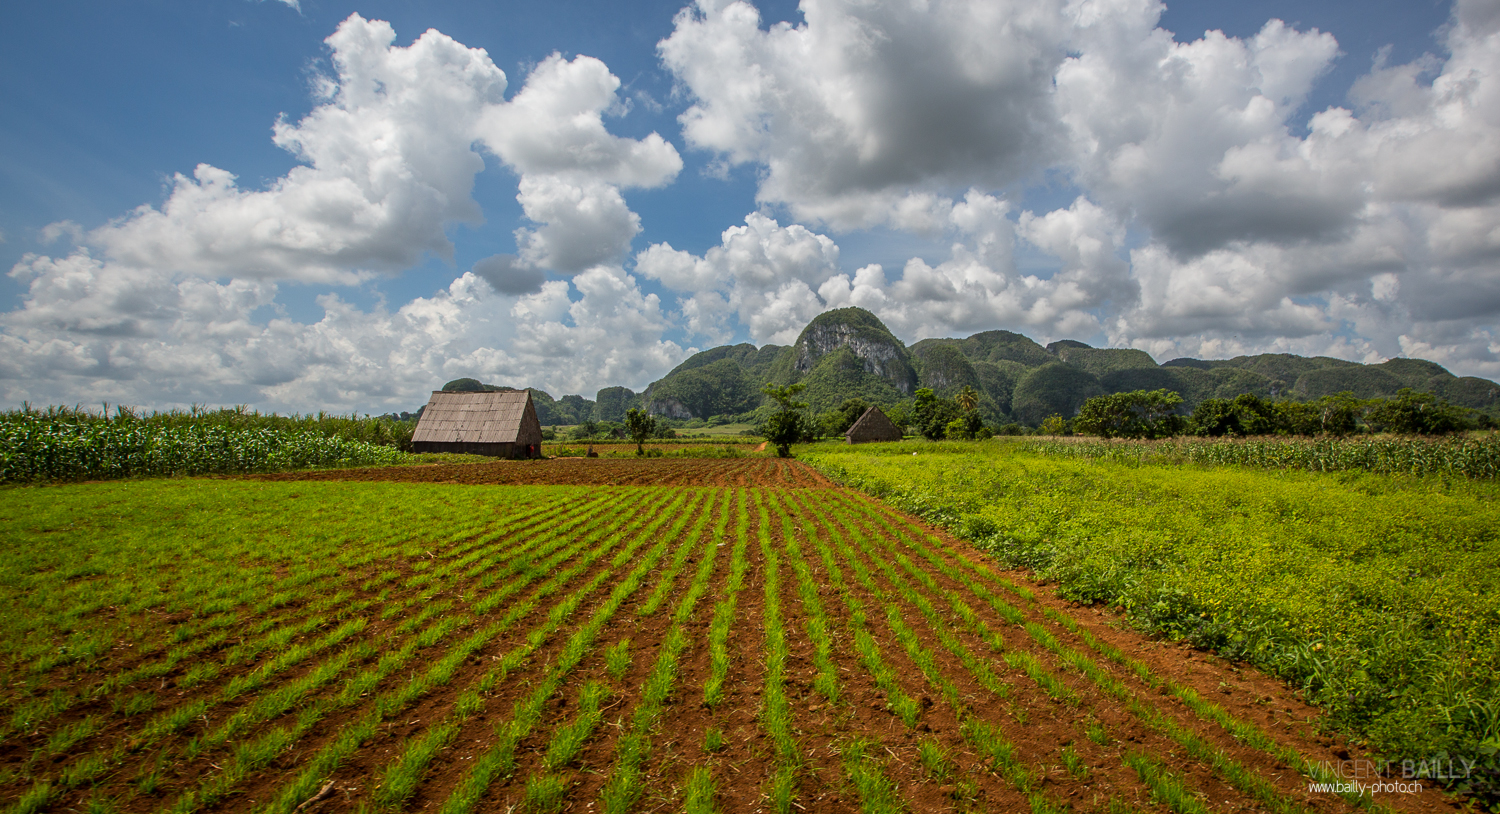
pixel 713 635
pixel 1378 596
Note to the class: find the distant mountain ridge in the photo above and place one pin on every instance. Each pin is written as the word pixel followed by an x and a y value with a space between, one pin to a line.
pixel 849 353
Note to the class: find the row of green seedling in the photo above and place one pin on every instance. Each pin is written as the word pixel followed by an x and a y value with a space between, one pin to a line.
pixel 876 791
pixel 1231 771
pixel 387 704
pixel 92 764
pixel 500 759
pixel 401 777
pixel 1029 664
pixel 987 739
pixel 724 609
pixel 256 753
pixel 202 635
pixel 633 749
pixel 776 710
pixel 979 732
pixel 288 655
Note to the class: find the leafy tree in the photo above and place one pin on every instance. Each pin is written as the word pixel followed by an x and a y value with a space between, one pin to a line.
pixel 1245 414
pixel 1137 414
pixel 898 416
pixel 1248 414
pixel 1413 413
pixel 587 429
pixel 931 415
pixel 1215 418
pixel 610 429
pixel 1053 425
pixel 787 425
pixel 1329 415
pixel 1339 414
pixel 968 425
pixel 641 426
pixel 838 421
pixel 663 430
pixel 1257 416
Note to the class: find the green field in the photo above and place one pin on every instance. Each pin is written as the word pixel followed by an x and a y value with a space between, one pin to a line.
pixel 1378 595
pixel 207 645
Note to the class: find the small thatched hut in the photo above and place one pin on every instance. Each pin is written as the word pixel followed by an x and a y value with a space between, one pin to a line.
pixel 872 426
pixel 502 425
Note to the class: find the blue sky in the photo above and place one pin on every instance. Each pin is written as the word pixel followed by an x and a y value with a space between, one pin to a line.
pixel 1326 186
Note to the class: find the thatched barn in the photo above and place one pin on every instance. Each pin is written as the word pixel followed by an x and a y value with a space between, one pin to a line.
pixel 501 424
pixel 872 426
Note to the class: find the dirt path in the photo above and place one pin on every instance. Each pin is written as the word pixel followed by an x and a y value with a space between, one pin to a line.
pixel 585 472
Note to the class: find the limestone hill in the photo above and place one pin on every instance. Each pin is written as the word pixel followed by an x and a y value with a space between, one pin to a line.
pixel 849 353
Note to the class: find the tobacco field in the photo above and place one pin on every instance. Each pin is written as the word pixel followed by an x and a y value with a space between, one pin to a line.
pixel 728 635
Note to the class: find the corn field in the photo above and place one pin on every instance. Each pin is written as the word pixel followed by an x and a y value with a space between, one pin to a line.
pixel 62 444
pixel 1457 456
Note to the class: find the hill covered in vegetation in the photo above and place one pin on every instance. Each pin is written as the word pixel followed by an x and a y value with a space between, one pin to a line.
pixel 848 353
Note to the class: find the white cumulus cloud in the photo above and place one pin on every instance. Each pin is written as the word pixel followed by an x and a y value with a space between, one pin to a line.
pixel 1216 211
pixel 866 101
pixel 178 304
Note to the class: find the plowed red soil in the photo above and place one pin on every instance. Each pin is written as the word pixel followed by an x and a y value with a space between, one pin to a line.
pixel 585 472
pixel 935 615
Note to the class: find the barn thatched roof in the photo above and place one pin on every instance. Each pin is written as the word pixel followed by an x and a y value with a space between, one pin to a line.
pixel 873 426
pixel 476 418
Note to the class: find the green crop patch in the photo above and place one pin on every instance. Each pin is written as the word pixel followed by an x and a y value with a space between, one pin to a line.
pixel 1377 595
pixel 777 644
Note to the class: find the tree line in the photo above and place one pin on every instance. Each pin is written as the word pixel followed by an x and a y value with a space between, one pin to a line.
pixel 1136 414
pixel 1158 414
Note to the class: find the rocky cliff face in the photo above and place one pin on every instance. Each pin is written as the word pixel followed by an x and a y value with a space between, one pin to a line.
pixel 669 407
pixel 881 353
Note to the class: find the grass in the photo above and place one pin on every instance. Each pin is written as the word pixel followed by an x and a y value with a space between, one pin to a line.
pixel 332 636
pixel 1230 770
pixel 1454 456
pixel 724 609
pixel 499 758
pixel 1073 763
pixel 986 738
pixel 1097 733
pixel 546 793
pixel 935 760
pixel 698 795
pixel 713 739
pixel 877 792
pixel 416 757
pixel 569 739
pixel 1002 755
pixel 819 628
pixel 776 710
pixel 1166 787
pixel 625 785
pixel 1375 594
pixel 617 659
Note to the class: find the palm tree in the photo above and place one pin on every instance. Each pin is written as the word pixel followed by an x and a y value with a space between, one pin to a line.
pixel 967 399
